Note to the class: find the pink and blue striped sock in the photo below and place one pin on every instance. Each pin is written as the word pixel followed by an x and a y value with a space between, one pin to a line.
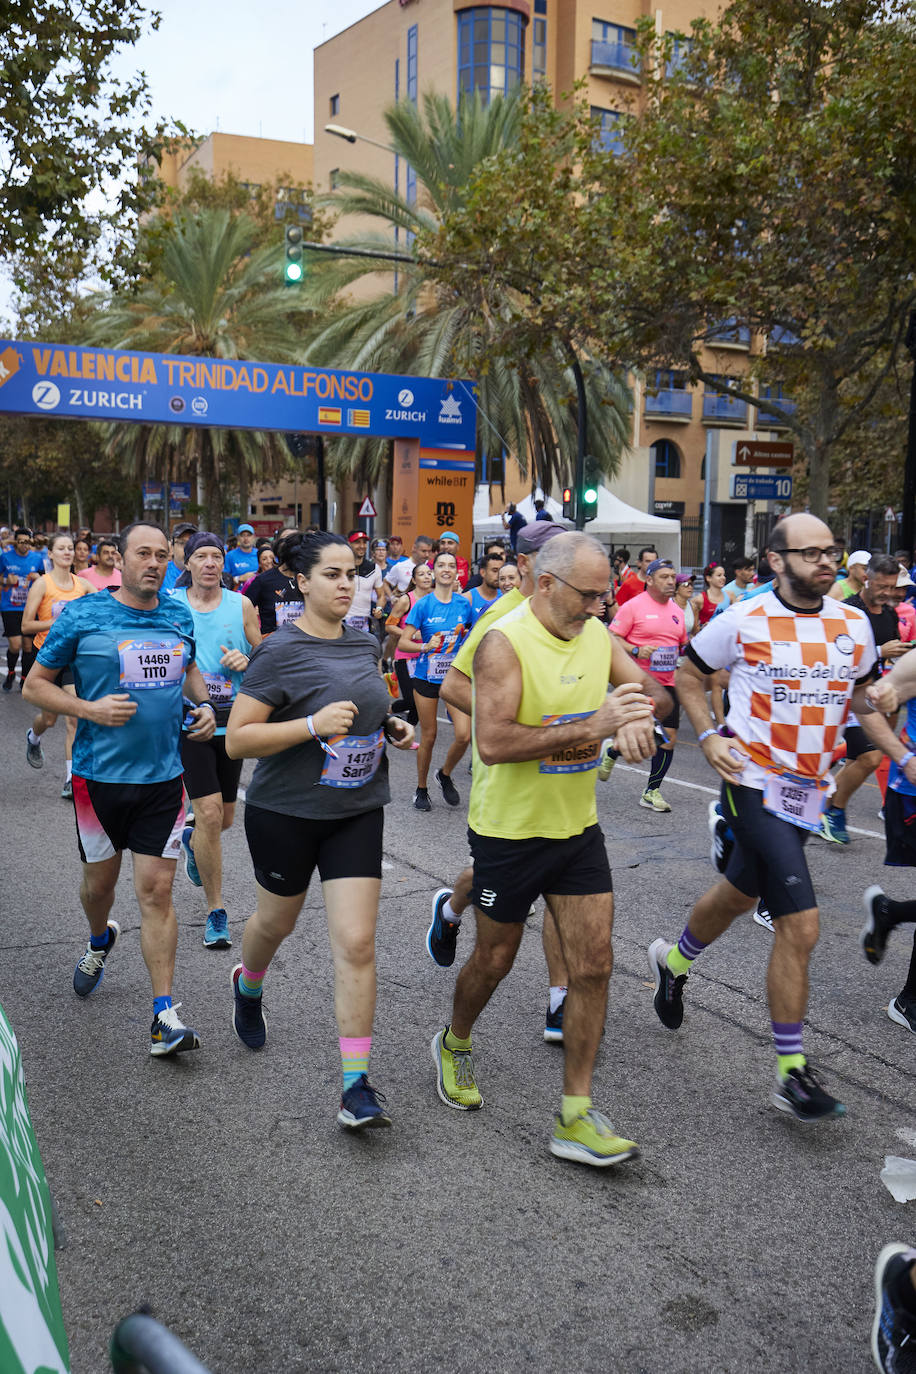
pixel 354 1056
pixel 250 984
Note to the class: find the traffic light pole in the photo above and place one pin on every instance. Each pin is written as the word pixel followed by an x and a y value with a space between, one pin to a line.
pixel 582 421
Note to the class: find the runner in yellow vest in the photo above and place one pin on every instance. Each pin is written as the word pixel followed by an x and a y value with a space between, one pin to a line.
pixel 540 712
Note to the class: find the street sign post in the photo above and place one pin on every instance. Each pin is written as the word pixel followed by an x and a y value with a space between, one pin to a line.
pixel 748 453
pixel 760 487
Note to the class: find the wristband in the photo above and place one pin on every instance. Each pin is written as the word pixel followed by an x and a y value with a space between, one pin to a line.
pixel 310 726
pixel 706 733
pixel 208 704
pixel 910 754
pixel 635 652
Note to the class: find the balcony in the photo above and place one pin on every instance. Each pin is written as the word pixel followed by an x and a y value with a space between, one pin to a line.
pixel 729 334
pixel 765 419
pixel 723 410
pixel 670 404
pixel 619 60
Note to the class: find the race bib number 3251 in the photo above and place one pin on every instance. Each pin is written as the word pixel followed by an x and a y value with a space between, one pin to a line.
pixel 148 663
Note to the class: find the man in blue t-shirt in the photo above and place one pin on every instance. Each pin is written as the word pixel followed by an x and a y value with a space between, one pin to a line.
pixel 20 566
pixel 175 566
pixel 131 653
pixel 242 562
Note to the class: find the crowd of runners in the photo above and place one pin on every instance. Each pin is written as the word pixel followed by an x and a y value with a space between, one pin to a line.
pixel 173 659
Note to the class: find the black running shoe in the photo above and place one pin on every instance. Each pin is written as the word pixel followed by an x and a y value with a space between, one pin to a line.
pixel 449 790
pixel 878 925
pixel 8 682
pixel 553 1024
pixel 362 1106
pixel 903 1012
pixel 90 970
pixel 442 936
pixel 669 990
pixel 801 1094
pixel 421 801
pixel 893 1332
pixel 721 838
pixel 248 1016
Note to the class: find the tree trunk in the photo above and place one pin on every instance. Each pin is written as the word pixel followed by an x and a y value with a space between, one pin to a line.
pixel 818 451
pixel 244 488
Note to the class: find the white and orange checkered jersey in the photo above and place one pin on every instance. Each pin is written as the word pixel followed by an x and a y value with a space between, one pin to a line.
pixel 792 675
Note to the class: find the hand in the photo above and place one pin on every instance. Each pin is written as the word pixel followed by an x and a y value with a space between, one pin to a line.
pixel 204 723
pixel 721 755
pixel 112 710
pixel 435 643
pixel 400 733
pixel 893 649
pixel 624 705
pixel 883 697
pixel 334 719
pixel 909 772
pixel 645 651
pixel 234 659
pixel 636 741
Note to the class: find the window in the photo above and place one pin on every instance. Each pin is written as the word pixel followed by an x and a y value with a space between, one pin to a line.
pixel 539 43
pixel 614 46
pixel 412 63
pixel 334 178
pixel 680 49
pixel 491 51
pixel 667 458
pixel 610 136
pixel 334 104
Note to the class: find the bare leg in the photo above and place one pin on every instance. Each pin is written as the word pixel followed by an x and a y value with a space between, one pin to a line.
pixel 462 727
pixel 553 951
pixel 794 939
pixel 97 892
pixel 426 710
pixel 352 907
pixel 714 912
pixel 153 880
pixel 491 959
pixel 852 775
pixel 461 892
pixel 274 918
pixel 211 818
pixel 584 925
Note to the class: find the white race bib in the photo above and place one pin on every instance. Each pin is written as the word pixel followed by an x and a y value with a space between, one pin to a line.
pixel 799 801
pixel 358 622
pixel 19 594
pixel 664 659
pixel 219 689
pixel 439 665
pixel 288 610
pixel 150 663
pixel 358 758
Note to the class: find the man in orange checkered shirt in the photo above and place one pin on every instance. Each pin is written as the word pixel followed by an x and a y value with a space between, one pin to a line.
pixel 798 664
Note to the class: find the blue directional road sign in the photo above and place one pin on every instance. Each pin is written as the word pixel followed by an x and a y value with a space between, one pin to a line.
pixel 758 487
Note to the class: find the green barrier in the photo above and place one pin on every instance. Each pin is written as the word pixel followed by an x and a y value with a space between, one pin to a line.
pixel 32 1335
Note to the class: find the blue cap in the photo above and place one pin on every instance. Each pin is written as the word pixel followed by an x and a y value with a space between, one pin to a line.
pixel 449 535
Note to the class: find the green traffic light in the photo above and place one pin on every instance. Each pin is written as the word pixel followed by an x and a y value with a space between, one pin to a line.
pixel 294 271
pixel 590 494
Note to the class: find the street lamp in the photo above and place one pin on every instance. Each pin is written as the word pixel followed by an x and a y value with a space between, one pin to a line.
pixel 351 136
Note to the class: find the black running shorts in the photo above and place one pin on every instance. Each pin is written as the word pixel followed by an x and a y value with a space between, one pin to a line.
pixel 673 719
pixel 900 829
pixel 857 742
pixel 12 624
pixel 286 850
pixel 510 874
pixel 422 688
pixel 208 769
pixel 146 818
pixel 768 859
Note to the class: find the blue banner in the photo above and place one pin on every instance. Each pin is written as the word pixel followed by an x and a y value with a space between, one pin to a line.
pixel 159 388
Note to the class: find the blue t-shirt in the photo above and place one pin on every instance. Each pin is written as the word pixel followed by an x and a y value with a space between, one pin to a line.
pixel 172 574
pixel 114 648
pixel 241 564
pixel 19 565
pixel 896 778
pixel 479 604
pixel 431 616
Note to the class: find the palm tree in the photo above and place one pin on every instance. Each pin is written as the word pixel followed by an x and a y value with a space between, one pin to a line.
pixel 527 404
pixel 215 294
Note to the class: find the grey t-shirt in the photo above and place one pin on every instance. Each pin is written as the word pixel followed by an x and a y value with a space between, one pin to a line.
pixel 296 674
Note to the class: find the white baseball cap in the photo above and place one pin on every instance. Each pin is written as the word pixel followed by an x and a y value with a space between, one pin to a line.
pixel 860 556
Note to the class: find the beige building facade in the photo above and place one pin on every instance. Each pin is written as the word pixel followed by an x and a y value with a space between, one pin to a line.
pixel 408 47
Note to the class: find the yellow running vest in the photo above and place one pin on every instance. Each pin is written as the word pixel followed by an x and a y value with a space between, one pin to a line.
pixel 552 797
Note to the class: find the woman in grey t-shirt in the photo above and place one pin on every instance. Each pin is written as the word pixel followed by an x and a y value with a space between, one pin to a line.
pixel 313 710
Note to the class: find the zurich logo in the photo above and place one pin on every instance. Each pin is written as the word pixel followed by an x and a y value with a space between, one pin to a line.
pixel 46 395
pixel 405 398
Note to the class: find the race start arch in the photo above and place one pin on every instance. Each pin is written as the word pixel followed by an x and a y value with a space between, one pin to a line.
pixel 432 421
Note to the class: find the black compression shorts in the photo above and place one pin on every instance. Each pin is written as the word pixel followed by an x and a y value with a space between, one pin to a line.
pixel 208 769
pixel 286 850
pixel 768 859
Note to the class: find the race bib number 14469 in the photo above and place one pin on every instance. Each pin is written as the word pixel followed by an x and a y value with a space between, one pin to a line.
pixel 150 663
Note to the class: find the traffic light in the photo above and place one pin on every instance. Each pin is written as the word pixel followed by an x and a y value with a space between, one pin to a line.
pixel 590 488
pixel 293 269
pixel 569 505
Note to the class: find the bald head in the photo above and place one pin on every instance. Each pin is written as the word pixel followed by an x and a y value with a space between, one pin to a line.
pixel 800 532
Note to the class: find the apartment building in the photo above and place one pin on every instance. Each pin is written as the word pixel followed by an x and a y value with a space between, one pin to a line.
pixel 406 47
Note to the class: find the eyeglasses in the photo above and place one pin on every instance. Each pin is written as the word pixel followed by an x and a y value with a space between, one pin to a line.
pixel 814 555
pixel 586 596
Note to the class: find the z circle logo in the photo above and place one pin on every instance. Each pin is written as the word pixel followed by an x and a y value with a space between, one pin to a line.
pixel 46 395
pixel 845 643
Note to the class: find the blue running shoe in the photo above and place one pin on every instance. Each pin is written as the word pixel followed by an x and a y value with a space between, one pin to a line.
pixel 893 1332
pixel 168 1035
pixel 833 825
pixel 362 1106
pixel 553 1025
pixel 91 968
pixel 190 864
pixel 216 935
pixel 248 1017
pixel 442 936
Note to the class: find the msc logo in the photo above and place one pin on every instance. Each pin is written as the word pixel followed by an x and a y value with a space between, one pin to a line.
pixel 405 398
pixel 445 513
pixel 46 395
pixel 450 411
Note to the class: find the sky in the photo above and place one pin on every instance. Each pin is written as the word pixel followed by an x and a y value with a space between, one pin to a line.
pixel 240 68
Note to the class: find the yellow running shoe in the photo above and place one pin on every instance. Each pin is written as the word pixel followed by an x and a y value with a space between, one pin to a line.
pixel 455 1076
pixel 590 1139
pixel 654 800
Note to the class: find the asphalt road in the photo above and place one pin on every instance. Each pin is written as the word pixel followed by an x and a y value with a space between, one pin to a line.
pixel 219 1189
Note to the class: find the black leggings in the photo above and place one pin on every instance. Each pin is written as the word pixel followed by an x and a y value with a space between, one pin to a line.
pixel 405 682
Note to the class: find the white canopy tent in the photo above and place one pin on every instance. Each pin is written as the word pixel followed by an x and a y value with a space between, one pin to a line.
pixel 616 523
